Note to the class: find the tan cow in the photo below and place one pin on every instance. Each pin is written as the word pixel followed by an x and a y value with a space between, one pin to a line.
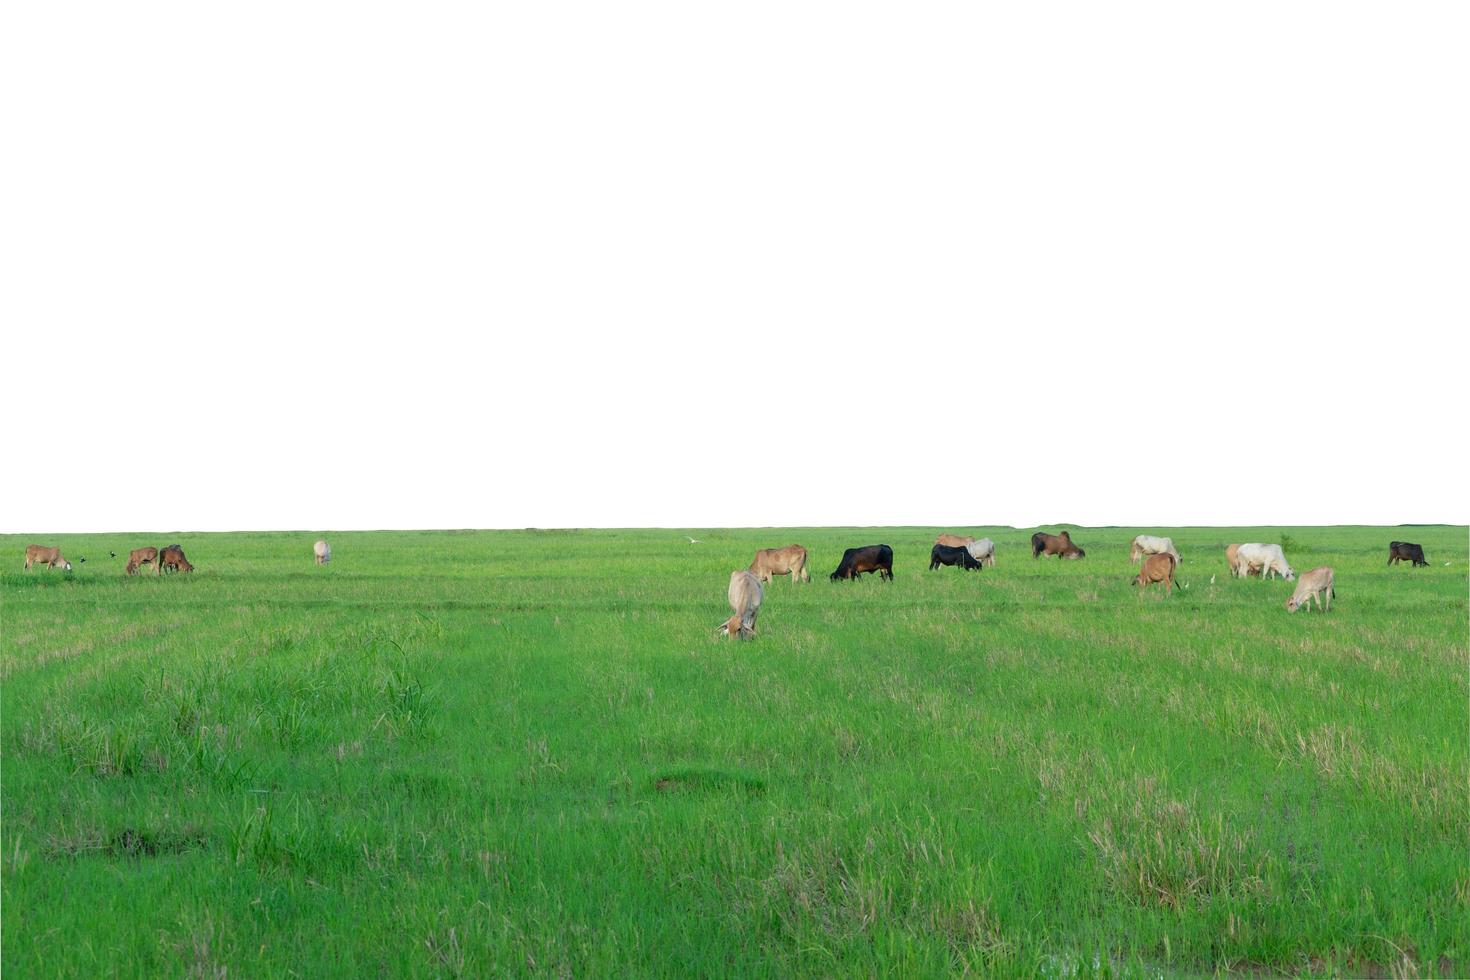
pixel 172 558
pixel 1316 584
pixel 790 560
pixel 142 556
pixel 50 557
pixel 953 540
pixel 323 552
pixel 1232 559
pixel 1157 568
pixel 745 600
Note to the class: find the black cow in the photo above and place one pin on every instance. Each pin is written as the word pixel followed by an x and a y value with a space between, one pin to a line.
pixel 1404 551
pixel 874 558
pixel 942 554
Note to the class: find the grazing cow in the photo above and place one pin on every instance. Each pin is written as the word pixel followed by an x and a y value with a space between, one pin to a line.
pixel 1147 544
pixel 982 551
pixel 1157 568
pixel 1055 544
pixel 1266 557
pixel 172 559
pixel 790 560
pixel 873 558
pixel 745 599
pixel 142 556
pixel 323 552
pixel 1316 584
pixel 953 540
pixel 942 554
pixel 50 557
pixel 1404 551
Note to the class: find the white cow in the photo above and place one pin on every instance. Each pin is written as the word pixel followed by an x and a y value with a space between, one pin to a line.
pixel 982 551
pixel 1267 557
pixel 1147 544
pixel 745 600
pixel 323 552
pixel 1316 584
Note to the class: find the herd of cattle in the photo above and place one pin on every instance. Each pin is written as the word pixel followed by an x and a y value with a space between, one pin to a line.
pixel 1160 559
pixel 167 559
pixel 1158 555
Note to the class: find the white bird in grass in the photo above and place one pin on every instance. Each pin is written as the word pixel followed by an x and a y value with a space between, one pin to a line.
pixel 691 540
pixel 1212 580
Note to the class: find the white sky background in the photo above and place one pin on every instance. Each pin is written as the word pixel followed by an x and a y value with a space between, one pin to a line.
pixel 358 265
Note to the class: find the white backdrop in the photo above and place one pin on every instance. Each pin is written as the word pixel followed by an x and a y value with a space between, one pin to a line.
pixel 344 265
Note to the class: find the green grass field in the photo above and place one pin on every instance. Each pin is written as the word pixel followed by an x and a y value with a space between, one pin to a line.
pixel 480 753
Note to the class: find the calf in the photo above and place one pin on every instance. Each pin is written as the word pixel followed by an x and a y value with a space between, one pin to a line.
pixel 1157 568
pixel 982 551
pixel 172 559
pixel 142 556
pixel 872 558
pixel 322 551
pixel 50 557
pixel 745 595
pixel 1055 544
pixel 1404 551
pixel 790 560
pixel 945 555
pixel 1316 584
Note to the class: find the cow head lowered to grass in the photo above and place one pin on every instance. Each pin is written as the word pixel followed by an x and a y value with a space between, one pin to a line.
pixel 1055 544
pixel 872 558
pixel 745 596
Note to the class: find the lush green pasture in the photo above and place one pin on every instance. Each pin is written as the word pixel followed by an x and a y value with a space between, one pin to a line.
pixel 502 752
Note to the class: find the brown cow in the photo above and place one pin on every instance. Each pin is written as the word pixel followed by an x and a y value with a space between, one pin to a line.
pixel 790 560
pixel 50 557
pixel 1157 568
pixel 172 559
pixel 1055 544
pixel 745 600
pixel 953 540
pixel 142 556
